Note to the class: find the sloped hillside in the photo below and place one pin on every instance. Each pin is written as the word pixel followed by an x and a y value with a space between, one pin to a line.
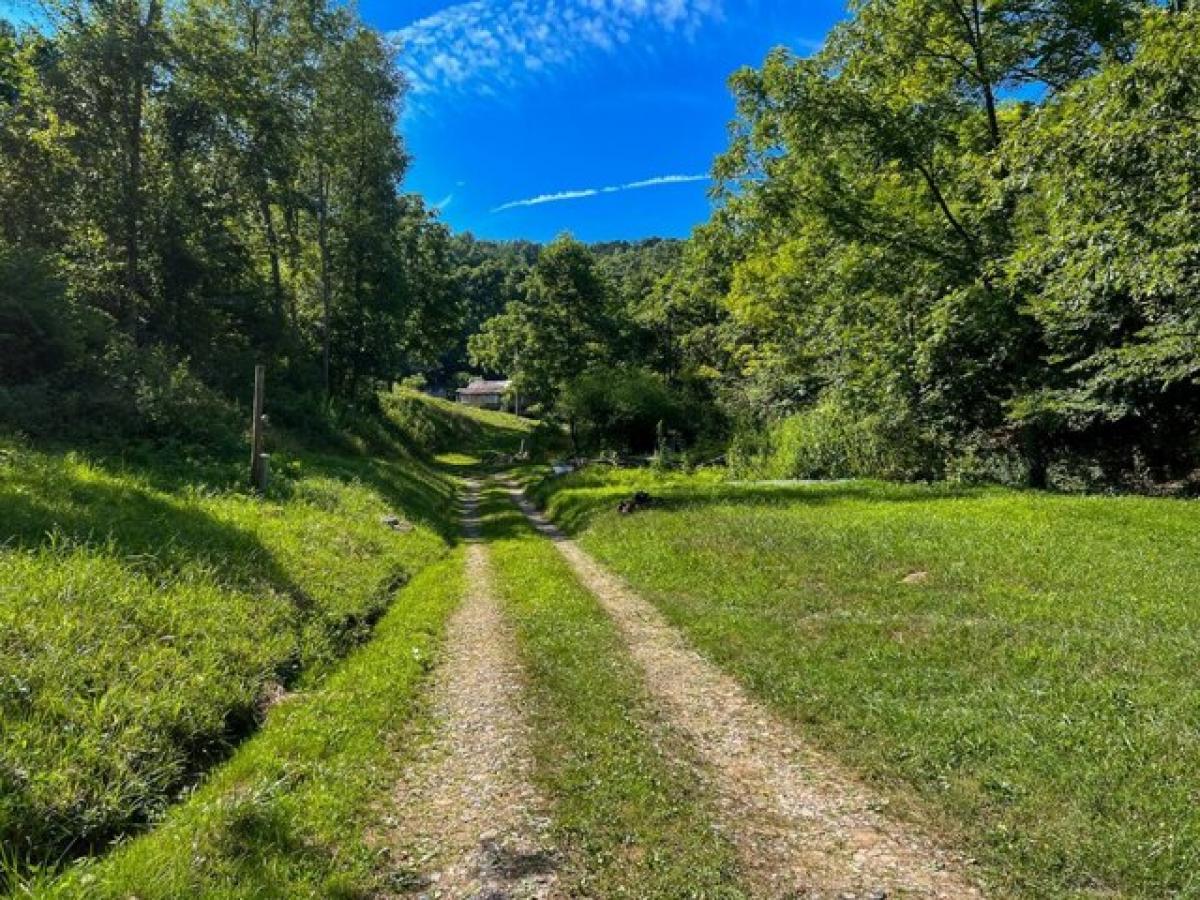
pixel 152 609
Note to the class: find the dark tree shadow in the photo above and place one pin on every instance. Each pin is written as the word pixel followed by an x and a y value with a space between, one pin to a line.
pixel 588 499
pixel 151 533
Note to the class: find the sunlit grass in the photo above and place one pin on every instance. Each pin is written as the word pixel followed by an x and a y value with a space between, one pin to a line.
pixel 142 628
pixel 1017 668
pixel 292 814
pixel 456 429
pixel 630 815
pixel 151 608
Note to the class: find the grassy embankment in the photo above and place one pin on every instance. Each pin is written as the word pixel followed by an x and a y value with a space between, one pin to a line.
pixel 1034 693
pixel 290 814
pixel 626 808
pixel 151 610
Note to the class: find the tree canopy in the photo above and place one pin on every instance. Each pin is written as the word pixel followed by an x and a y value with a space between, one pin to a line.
pixel 218 182
pixel 962 239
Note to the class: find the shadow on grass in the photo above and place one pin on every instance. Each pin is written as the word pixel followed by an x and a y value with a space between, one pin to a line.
pixel 143 509
pixel 423 491
pixel 49 504
pixel 262 839
pixel 51 500
pixel 581 500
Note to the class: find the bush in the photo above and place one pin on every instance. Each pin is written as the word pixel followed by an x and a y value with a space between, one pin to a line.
pixel 39 332
pixel 983 459
pixel 64 371
pixel 159 397
pixel 621 410
pixel 829 440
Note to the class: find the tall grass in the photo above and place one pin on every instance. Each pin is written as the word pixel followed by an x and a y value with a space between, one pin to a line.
pixel 292 813
pixel 830 441
pixel 151 610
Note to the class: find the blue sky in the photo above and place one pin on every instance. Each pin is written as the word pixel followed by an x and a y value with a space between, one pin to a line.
pixel 527 118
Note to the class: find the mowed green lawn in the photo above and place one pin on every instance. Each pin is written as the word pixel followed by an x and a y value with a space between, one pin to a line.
pixel 1019 670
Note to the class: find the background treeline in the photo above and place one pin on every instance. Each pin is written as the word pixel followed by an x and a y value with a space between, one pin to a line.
pixel 590 338
pixel 962 240
pixel 190 188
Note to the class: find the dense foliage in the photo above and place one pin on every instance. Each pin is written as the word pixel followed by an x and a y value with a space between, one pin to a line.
pixel 961 240
pixel 588 336
pixel 191 188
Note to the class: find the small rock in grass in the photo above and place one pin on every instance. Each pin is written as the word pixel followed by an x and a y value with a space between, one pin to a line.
pixel 915 578
pixel 271 695
pixel 396 523
pixel 640 500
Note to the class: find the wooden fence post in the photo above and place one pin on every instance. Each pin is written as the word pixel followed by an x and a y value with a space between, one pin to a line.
pixel 258 463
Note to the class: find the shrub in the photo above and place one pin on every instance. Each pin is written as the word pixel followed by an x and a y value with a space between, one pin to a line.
pixel 829 440
pixel 621 410
pixel 984 459
pixel 39 332
pixel 159 396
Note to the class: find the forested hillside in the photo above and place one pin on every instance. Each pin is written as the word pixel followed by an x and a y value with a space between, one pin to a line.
pixel 961 240
pixel 190 188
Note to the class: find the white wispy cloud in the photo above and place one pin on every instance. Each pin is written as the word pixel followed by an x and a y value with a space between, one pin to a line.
pixel 485 46
pixel 444 202
pixel 663 179
pixel 594 192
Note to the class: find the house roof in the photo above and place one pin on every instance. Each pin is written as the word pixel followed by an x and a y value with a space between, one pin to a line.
pixel 479 386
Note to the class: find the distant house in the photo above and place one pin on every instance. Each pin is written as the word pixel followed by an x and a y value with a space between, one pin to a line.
pixel 484 394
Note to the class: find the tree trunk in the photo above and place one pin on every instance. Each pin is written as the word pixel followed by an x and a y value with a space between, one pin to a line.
pixel 972 23
pixel 133 201
pixel 985 78
pixel 268 223
pixel 326 288
pixel 1037 459
pixel 138 83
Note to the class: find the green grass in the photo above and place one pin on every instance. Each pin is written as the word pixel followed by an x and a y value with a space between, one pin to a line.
pixel 141 627
pixel 1037 697
pixel 149 606
pixel 629 813
pixel 448 428
pixel 291 814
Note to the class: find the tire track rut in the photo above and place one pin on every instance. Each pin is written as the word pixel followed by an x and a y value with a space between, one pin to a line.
pixel 802 826
pixel 468 822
